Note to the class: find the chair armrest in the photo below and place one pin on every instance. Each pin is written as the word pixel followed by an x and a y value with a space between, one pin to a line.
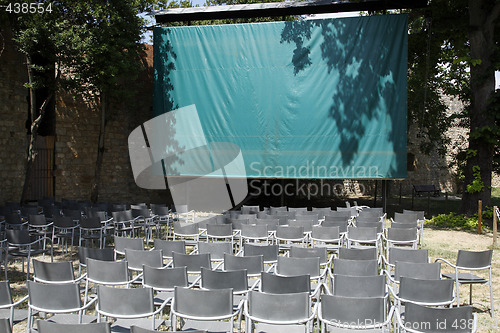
pixel 446 262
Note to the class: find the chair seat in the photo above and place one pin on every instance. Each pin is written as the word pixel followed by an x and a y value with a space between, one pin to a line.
pixel 162 297
pixel 466 278
pixel 19 314
pixel 264 328
pixel 69 318
pixel 123 325
pixel 209 326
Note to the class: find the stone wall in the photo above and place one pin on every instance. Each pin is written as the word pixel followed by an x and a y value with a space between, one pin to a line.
pixel 13 114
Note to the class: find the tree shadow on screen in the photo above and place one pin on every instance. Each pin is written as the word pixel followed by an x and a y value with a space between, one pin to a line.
pixel 365 78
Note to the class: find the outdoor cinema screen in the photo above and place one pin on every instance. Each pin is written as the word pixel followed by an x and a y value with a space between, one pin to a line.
pixel 301 99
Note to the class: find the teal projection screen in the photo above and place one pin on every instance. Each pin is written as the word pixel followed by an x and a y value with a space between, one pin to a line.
pixel 301 99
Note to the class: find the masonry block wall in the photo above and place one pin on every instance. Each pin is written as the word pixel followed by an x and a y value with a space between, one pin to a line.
pixel 13 114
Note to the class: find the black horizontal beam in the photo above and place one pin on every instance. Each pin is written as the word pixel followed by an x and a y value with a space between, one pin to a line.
pixel 278 9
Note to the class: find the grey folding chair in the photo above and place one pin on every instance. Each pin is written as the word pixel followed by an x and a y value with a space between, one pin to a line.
pixel 216 250
pixel 471 261
pixel 358 254
pixel 54 272
pixel 189 232
pixel 168 246
pixel 401 237
pixel 59 299
pixel 137 258
pixel 286 236
pixel 340 313
pixel 163 281
pixel 329 237
pixel 122 243
pixel 250 209
pixel 277 284
pixel 355 267
pixel 321 211
pixel 236 280
pixel 105 254
pixel 421 319
pixel 360 286
pixel 46 326
pixel 193 262
pixel 204 309
pixel 257 233
pixel 113 273
pixel 65 229
pixel 217 232
pixel 423 292
pixel 426 271
pixel 264 312
pixel 129 306
pixel 362 237
pixel 92 229
pixel 254 265
pixel 8 306
pixel 269 252
pixel 403 254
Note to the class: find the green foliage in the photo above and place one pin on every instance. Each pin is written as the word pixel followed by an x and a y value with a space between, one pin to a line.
pixel 477 183
pixel 454 221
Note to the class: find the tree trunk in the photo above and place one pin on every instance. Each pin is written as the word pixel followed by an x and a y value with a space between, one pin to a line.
pixel 94 191
pixel 35 124
pixel 482 17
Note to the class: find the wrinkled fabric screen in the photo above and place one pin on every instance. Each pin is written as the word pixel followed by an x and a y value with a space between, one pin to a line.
pixel 301 99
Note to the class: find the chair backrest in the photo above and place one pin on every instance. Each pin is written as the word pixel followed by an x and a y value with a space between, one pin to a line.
pixel 140 211
pixel 474 259
pixel 426 291
pixel 277 284
pixel 297 209
pixel 288 232
pixel 254 230
pixel 431 319
pixel 253 264
pixel 165 278
pixel 215 249
pixel 137 258
pixel 53 271
pixel 237 223
pixel 267 306
pixel 181 209
pixel 102 215
pixel 5 294
pixel 355 267
pixel 303 252
pixel 342 225
pixel 15 236
pixel 250 209
pixel 276 210
pixel 160 210
pixel 220 230
pixel 305 224
pixel 404 225
pixel 186 229
pixel 428 271
pixel 122 243
pixel 359 286
pixel 105 254
pixel 251 217
pixel 13 219
pixel 268 252
pixel 271 224
pixel 420 213
pixel 54 297
pixel 90 222
pixel 358 254
pixel 346 213
pixel 125 301
pixel 37 220
pixel 405 217
pixel 289 266
pixel 322 212
pixel 378 225
pixel 45 326
pixel 168 246
pixel 107 272
pixel 402 234
pixel 408 255
pixel 5 326
pixel 361 311
pixel 193 262
pixel 63 222
pixel 362 233
pixel 236 280
pixel 203 303
pixel 320 232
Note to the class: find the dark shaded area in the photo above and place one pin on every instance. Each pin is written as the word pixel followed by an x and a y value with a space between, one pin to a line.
pixel 281 9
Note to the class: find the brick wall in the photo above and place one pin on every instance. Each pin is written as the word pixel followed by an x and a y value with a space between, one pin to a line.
pixel 13 113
